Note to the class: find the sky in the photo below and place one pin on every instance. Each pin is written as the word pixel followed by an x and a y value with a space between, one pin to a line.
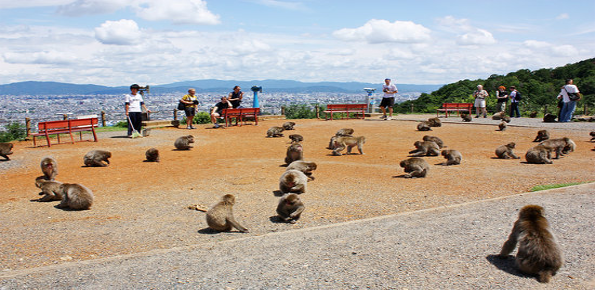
pixel 120 42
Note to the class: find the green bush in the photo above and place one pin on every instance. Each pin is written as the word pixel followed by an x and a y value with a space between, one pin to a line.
pixel 301 111
pixel 14 131
pixel 122 124
pixel 199 118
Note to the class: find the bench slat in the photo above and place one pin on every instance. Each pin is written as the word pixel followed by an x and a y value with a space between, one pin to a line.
pixel 65 127
pixel 346 108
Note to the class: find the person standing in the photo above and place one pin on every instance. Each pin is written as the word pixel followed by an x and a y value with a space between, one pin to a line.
pixel 480 101
pixel 569 105
pixel 235 97
pixel 515 97
pixel 216 111
pixel 190 103
pixel 388 100
pixel 134 105
pixel 501 98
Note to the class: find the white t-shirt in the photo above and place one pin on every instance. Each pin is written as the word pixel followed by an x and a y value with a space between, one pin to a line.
pixel 134 102
pixel 389 88
pixel 568 89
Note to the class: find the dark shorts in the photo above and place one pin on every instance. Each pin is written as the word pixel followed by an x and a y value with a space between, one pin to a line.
pixel 387 102
pixel 190 111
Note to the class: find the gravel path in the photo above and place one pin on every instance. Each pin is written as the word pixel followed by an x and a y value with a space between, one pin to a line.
pixel 448 247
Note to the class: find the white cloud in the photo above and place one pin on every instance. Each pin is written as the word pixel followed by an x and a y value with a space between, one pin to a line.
pixel 282 4
pixel 536 44
pixel 565 50
pixel 563 16
pixel 477 37
pixel 121 32
pixel 83 7
pixel 8 4
pixel 382 31
pixel 177 11
pixel 44 57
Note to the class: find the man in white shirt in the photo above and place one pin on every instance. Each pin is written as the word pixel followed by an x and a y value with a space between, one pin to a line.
pixel 388 100
pixel 569 105
pixel 134 104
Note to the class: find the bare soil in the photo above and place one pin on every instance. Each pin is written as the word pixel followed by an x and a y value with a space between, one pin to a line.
pixel 141 206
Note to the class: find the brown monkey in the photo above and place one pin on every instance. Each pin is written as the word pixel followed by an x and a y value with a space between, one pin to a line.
pixel 75 196
pixel 453 157
pixel 220 216
pixel 49 189
pixel 539 155
pixel 505 151
pixel 502 126
pixel 152 155
pixel 425 148
pixel 275 131
pixel 293 181
pixel 592 136
pixel 561 146
pixel 183 143
pixel 290 208
pixel 466 117
pixel 415 167
pixel 423 126
pixel 303 166
pixel 533 114
pixel 288 125
pixel 49 167
pixel 434 122
pixel 542 135
pixel 506 119
pixel 5 150
pixel 498 116
pixel 295 152
pixel 296 138
pixel 344 132
pixel 539 253
pixel 436 140
pixel 349 142
pixel 331 143
pixel 96 158
pixel 549 118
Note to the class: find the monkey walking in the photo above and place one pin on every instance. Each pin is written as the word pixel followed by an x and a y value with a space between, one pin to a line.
pixel 5 150
pixel 561 146
pixel 349 142
pixel 220 216
pixel 49 167
pixel 539 253
pixel 95 158
pixel 290 208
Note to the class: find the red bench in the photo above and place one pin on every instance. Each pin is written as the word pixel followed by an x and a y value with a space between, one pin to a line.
pixel 48 128
pixel 238 114
pixel 455 107
pixel 346 108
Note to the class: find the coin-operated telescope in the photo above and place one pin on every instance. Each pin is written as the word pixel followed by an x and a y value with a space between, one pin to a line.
pixel 144 89
pixel 255 90
pixel 370 99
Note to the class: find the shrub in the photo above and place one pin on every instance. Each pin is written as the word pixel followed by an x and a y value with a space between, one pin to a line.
pixel 122 124
pixel 14 131
pixel 301 111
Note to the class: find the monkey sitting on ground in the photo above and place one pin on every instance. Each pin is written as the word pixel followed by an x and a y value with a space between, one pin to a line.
pixel 288 125
pixel 5 150
pixel 349 142
pixel 498 116
pixel 275 131
pixel 152 155
pixel 290 208
pixel 434 122
pixel 453 157
pixel 303 166
pixel 423 126
pixel 466 117
pixel 95 158
pixel 542 135
pixel 295 152
pixel 592 134
pixel 75 196
pixel 502 126
pixel 415 167
pixel 293 181
pixel 533 114
pixel 539 155
pixel 425 148
pixel 505 151
pixel 561 146
pixel 49 167
pixel 549 118
pixel 539 253
pixel 220 216
pixel 434 139
pixel 296 138
pixel 49 189
pixel 183 143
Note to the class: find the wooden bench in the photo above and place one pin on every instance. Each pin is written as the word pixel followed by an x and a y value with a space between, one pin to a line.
pixel 455 107
pixel 48 128
pixel 239 114
pixel 346 108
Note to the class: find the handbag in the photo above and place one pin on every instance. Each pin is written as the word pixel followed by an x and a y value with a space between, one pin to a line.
pixel 181 106
pixel 573 96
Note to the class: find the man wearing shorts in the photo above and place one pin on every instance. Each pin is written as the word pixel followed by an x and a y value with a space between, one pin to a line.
pixel 388 100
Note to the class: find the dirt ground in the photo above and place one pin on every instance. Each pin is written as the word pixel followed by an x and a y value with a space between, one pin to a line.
pixel 141 206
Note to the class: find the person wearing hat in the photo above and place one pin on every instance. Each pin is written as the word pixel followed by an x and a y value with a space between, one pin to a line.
pixel 134 104
pixel 515 97
pixel 502 98
pixel 388 100
pixel 190 103
pixel 480 102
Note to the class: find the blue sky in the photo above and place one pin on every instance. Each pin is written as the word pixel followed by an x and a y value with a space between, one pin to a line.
pixel 118 42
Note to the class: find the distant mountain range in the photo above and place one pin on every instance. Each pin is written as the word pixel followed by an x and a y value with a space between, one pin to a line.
pixel 217 86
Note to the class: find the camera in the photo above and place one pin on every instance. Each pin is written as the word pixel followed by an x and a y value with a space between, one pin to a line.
pixel 195 102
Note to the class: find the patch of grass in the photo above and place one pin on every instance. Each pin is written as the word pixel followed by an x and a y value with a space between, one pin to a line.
pixel 110 129
pixel 552 186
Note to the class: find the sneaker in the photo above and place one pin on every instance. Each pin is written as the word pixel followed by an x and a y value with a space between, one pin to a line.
pixel 383 117
pixel 216 126
pixel 389 118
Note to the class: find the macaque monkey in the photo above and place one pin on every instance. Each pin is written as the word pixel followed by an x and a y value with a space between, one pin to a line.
pixel 220 216
pixel 453 157
pixel 561 146
pixel 49 189
pixel 183 143
pixel 303 166
pixel 275 131
pixel 288 125
pixel 539 155
pixel 75 196
pixel 295 152
pixel 49 167
pixel 505 151
pixel 5 150
pixel 434 139
pixel 434 122
pixel 425 148
pixel 349 142
pixel 296 138
pixel 96 158
pixel 290 208
pixel 293 181
pixel 415 167
pixel 152 155
pixel 466 117
pixel 542 135
pixel 502 126
pixel 423 126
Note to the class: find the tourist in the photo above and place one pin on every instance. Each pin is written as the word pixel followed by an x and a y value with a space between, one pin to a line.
pixel 388 100
pixel 515 97
pixel 480 101
pixel 501 98
pixel 216 111
pixel 190 103
pixel 134 104
pixel 235 97
pixel 569 105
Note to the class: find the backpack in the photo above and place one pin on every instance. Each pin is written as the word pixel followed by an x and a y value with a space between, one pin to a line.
pixel 518 96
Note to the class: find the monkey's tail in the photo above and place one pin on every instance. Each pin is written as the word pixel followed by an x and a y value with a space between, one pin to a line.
pixel 198 207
